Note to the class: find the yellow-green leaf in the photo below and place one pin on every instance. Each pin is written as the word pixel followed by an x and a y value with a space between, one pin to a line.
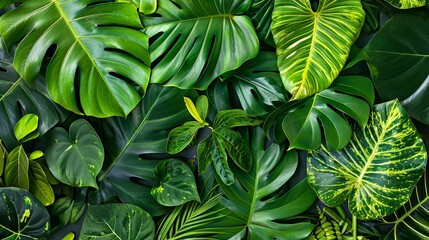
pixel 16 169
pixel 406 4
pixel 193 110
pixel 25 126
pixel 40 186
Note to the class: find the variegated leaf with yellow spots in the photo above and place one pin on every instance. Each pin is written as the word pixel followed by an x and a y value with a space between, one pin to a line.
pixel 406 4
pixel 377 171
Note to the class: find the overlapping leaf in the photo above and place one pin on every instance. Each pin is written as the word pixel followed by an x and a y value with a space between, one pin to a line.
pixel 92 71
pixel 196 41
pixel 260 13
pixel 313 45
pixel 377 171
pixel 405 4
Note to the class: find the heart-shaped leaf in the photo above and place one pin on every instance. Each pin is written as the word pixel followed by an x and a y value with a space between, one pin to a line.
pixel 22 215
pixel 176 183
pixel 313 45
pixel 92 71
pixel 377 171
pixel 16 169
pixel 196 41
pixel 117 221
pixel 75 158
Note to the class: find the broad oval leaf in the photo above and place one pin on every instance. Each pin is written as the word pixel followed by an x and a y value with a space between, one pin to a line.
pixel 117 221
pixel 406 4
pixel 16 169
pixel 176 183
pixel 39 184
pixel 75 158
pixel 92 71
pixel 196 41
pixel 202 106
pixel 25 126
pixel 180 137
pixel 22 215
pixel 313 46
pixel 377 171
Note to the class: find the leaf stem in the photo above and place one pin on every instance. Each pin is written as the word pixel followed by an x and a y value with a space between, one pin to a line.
pixel 354 227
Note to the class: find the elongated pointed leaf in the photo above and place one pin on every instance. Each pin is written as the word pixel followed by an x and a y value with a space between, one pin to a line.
pixel 180 137
pixel 220 161
pixel 16 169
pixel 196 41
pixel 406 4
pixel 92 70
pixel 204 151
pixel 312 46
pixel 117 221
pixel 192 109
pixel 22 215
pixel 202 106
pixel 75 158
pixel 260 13
pixel 234 118
pixel 39 185
pixel 377 171
pixel 25 126
pixel 176 183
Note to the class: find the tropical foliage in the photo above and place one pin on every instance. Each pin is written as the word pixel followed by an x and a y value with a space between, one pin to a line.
pixel 214 119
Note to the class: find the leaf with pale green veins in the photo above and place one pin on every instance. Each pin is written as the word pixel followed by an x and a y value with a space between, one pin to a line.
pixel 232 118
pixel 313 45
pixel 379 168
pixel 39 184
pixel 406 4
pixel 92 71
pixel 219 159
pixel 260 13
pixel 16 169
pixel 194 42
pixel 204 153
pixel 176 183
pixel 179 138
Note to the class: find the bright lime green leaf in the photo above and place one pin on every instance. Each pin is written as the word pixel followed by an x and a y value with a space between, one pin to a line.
pixel 25 126
pixel 377 171
pixel 202 106
pixel 68 236
pixel 313 46
pixel 36 155
pixel 39 184
pixel 148 6
pixel 16 169
pixel 406 4
pixel 179 138
pixel 176 183
pixel 193 110
pixel 92 71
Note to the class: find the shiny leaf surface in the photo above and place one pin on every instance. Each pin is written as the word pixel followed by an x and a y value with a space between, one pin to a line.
pixel 406 4
pixel 179 138
pixel 25 126
pixel 16 169
pixel 39 184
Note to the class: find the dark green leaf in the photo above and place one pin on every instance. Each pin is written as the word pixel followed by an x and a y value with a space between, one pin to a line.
pixel 117 221
pixel 377 171
pixel 234 118
pixel 220 161
pixel 204 152
pixel 3 157
pixel 236 146
pixel 25 126
pixel 196 41
pixel 180 137
pixel 406 4
pixel 67 210
pixel 91 67
pixel 202 106
pixel 75 158
pixel 16 169
pixel 39 185
pixel 260 13
pixel 176 183
pixel 313 45
pixel 22 215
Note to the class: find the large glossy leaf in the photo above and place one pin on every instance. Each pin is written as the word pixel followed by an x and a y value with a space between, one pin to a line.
pixel 144 131
pixel 75 158
pixel 398 62
pixel 196 41
pixel 22 215
pixel 117 221
pixel 405 4
pixel 377 171
pixel 313 45
pixel 260 13
pixel 16 169
pixel 257 211
pixel 92 71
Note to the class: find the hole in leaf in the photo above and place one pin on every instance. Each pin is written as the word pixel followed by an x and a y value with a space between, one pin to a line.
pixel 209 57
pixel 314 5
pixel 177 5
pixel 154 15
pixel 128 81
pixel 3 69
pixel 77 90
pixel 98 2
pixel 143 181
pixel 155 62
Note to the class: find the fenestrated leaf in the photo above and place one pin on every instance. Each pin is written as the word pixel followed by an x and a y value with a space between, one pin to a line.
pixel 22 215
pixel 176 183
pixel 312 46
pixel 117 221
pixel 220 161
pixel 16 169
pixel 144 131
pixel 260 13
pixel 196 41
pixel 39 185
pixel 180 137
pixel 406 4
pixel 377 171
pixel 303 122
pixel 236 146
pixel 234 118
pixel 25 126
pixel 75 158
pixel 257 211
pixel 92 71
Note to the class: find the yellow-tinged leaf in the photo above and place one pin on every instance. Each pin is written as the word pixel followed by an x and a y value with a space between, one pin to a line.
pixel 69 236
pixel 193 110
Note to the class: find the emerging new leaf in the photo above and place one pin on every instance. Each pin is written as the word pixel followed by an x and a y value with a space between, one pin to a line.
pixel 193 110
pixel 26 126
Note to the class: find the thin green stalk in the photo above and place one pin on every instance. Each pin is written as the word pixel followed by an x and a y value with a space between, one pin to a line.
pixel 354 227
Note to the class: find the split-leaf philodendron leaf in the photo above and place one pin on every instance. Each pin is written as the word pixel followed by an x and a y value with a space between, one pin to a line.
pixel 313 45
pixel 377 171
pixel 406 4
pixel 196 41
pixel 92 71
pixel 22 215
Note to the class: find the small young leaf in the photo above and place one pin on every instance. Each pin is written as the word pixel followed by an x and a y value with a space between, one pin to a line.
pixel 234 118
pixel 36 155
pixel 204 152
pixel 40 186
pixel 3 156
pixel 179 138
pixel 176 183
pixel 16 169
pixel 69 236
pixel 192 110
pixel 148 6
pixel 220 162
pixel 203 106
pixel 238 149
pixel 26 125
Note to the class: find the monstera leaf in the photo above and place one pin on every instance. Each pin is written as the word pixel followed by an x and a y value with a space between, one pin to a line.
pixel 92 71
pixel 22 215
pixel 193 42
pixel 260 13
pixel 117 221
pixel 313 45
pixel 144 131
pixel 405 4
pixel 377 171
pixel 255 211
